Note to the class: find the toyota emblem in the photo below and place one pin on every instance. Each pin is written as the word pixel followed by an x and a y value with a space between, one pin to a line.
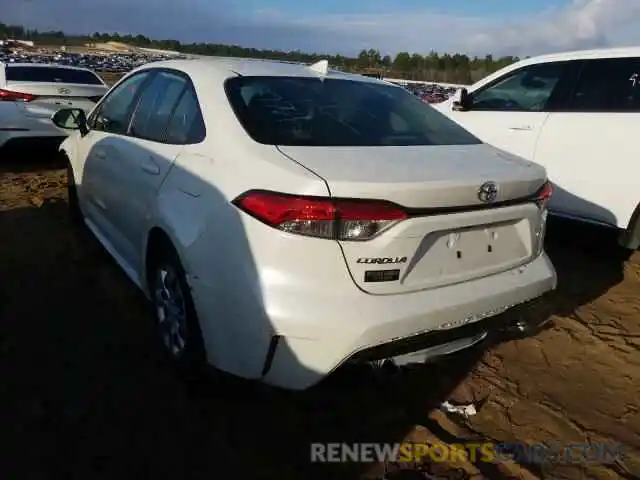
pixel 488 192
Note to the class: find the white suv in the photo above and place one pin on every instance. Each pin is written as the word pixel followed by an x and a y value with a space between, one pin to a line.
pixel 575 114
pixel 285 219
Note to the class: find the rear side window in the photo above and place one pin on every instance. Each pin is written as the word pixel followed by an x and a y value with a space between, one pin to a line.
pixel 156 105
pixel 331 112
pixel 51 75
pixel 186 125
pixel 608 85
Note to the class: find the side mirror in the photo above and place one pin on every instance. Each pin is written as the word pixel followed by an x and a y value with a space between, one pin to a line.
pixel 71 119
pixel 461 101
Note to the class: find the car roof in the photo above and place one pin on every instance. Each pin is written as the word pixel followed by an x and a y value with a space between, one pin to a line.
pixel 600 53
pixel 231 67
pixel 584 55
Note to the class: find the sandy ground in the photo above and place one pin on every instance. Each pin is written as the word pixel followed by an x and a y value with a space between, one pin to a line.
pixel 85 393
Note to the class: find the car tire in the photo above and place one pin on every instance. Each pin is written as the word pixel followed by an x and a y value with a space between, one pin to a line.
pixel 176 321
pixel 72 195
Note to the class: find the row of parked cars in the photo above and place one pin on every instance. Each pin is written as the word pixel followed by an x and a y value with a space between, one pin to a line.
pixel 431 92
pixel 112 63
pixel 285 219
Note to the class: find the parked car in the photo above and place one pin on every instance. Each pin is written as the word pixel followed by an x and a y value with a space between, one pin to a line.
pixel 30 94
pixel 284 219
pixel 574 114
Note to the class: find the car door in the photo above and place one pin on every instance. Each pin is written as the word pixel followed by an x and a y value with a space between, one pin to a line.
pixel 589 147
pixel 510 112
pixel 132 178
pixel 95 153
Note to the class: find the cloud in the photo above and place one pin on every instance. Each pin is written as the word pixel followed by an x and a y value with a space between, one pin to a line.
pixel 157 18
pixel 581 24
pixel 389 32
pixel 578 24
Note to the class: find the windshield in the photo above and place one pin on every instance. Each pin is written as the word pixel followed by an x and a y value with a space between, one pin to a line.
pixel 51 75
pixel 313 112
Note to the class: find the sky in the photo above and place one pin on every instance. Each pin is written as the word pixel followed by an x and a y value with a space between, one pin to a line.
pixel 474 27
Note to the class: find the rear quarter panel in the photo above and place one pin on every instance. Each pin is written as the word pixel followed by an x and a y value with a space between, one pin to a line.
pixel 231 258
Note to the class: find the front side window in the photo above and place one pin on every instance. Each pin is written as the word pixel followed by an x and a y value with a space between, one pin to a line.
pixel 157 102
pixel 330 112
pixel 608 85
pixel 527 90
pixel 114 112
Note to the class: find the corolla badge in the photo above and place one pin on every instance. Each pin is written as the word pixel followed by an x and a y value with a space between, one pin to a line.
pixel 488 192
pixel 64 91
pixel 382 260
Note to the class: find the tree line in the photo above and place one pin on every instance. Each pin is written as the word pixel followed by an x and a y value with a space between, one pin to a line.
pixel 451 68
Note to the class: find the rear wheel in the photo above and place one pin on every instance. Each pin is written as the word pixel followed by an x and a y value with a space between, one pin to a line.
pixel 174 312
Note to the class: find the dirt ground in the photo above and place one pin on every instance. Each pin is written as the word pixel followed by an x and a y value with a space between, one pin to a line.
pixel 85 393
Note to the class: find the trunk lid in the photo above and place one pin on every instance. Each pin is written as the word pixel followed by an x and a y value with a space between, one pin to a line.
pixel 51 97
pixel 420 176
pixel 452 235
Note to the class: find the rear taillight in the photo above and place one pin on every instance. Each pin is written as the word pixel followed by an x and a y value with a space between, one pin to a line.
pixel 542 199
pixel 321 217
pixel 544 194
pixel 9 96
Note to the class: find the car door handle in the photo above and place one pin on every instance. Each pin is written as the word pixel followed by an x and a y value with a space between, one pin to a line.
pixel 151 167
pixel 521 128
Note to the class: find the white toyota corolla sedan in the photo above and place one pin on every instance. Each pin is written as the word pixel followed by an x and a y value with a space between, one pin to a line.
pixel 285 219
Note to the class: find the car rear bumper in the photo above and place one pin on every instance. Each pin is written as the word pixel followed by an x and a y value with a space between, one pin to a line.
pixel 15 124
pixel 305 335
pixel 367 325
pixel 18 138
pixel 19 144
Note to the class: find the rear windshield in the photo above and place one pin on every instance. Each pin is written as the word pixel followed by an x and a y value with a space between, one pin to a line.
pixel 315 112
pixel 51 75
